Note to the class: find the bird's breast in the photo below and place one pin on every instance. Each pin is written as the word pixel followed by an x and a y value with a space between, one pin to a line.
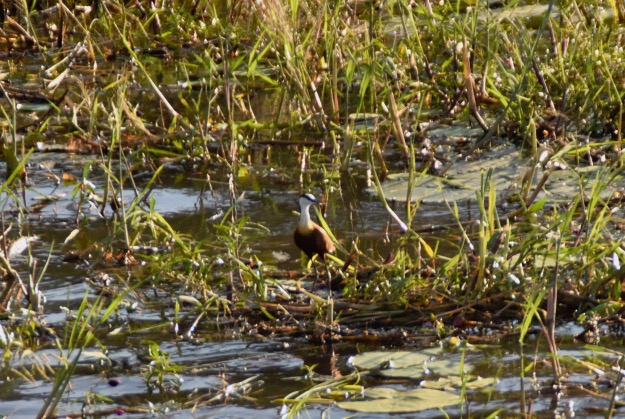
pixel 305 229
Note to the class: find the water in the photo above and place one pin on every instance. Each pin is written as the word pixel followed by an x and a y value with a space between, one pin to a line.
pixel 220 352
pixel 197 374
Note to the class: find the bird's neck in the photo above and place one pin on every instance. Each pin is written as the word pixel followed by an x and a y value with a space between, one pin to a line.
pixel 305 224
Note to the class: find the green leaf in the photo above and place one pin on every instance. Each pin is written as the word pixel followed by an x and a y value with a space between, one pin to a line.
pixel 537 206
pixel 388 400
pixel 455 383
pixel 399 359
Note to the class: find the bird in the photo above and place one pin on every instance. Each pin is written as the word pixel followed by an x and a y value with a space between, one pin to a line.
pixel 309 236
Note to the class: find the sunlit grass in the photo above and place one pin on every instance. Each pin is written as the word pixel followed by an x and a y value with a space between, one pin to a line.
pixel 550 82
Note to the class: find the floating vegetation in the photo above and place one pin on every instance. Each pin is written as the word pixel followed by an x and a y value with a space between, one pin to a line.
pixel 388 400
pixel 553 182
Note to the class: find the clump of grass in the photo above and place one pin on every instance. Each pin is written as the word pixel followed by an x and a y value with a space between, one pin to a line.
pixel 79 336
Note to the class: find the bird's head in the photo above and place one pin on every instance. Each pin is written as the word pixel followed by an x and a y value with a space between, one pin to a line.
pixel 307 200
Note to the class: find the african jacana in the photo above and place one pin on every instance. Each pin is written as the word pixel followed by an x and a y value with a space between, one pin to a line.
pixel 309 236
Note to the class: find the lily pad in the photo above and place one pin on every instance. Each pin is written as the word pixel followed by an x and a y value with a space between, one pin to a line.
pixel 411 365
pixel 532 14
pixel 455 383
pixel 440 367
pixel 388 400
pixel 462 180
pixel 508 167
pixel 456 131
pixel 391 360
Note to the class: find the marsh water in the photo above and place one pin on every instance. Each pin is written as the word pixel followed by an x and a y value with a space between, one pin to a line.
pixel 222 355
pixel 224 352
pixel 225 366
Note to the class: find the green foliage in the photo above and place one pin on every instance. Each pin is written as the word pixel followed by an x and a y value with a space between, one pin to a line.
pixel 80 334
pixel 549 78
pixel 161 372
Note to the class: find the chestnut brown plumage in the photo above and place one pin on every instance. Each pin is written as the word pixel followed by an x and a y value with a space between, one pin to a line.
pixel 309 236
